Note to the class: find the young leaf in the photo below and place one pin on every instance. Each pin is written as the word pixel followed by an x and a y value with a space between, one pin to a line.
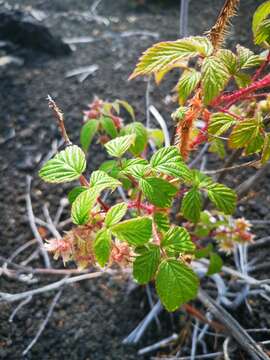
pixel 192 205
pixel 164 54
pixel 127 107
pixel 74 193
pixel 101 181
pixel 262 34
pixel 102 246
pixel 219 123
pixel 247 58
pixel 115 214
pixel 80 211
pixel 146 263
pixel 223 197
pixel 66 166
pixel 168 161
pixel 141 137
pixel 88 131
pixel 109 126
pixel 118 146
pixel 214 78
pixel 177 239
pixel 135 231
pixel 162 221
pixel 261 13
pixel 187 84
pixel 243 132
pixel 215 264
pixel 176 284
pixel 158 192
pixel 229 59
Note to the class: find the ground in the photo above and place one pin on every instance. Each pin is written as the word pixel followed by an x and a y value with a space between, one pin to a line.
pixel 91 318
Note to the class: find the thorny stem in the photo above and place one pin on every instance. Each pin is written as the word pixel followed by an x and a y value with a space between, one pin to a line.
pixel 261 68
pixel 60 119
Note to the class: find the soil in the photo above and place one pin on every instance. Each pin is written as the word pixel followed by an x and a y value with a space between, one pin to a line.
pixel 92 318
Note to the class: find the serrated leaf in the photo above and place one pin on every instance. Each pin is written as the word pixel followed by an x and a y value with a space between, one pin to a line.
pixel 80 210
pixel 159 75
pixel 215 264
pixel 72 195
pixel 192 205
pixel 255 145
pixel 162 55
pixel 262 33
pixel 135 232
pixel 110 167
pixel 115 214
pixel 157 136
pixel 118 146
pixel 247 58
pixel 141 137
pixel 168 161
pixel 158 192
pixel 176 284
pixel 101 181
pixel 162 221
pixel 243 132
pixel 214 78
pixel 109 126
pixel 220 123
pixel 88 131
pixel 136 170
pixel 177 239
pixel 127 107
pixel 261 13
pixel 222 197
pixel 102 246
pixel 66 166
pixel 229 59
pixel 187 84
pixel 146 263
pixel 266 149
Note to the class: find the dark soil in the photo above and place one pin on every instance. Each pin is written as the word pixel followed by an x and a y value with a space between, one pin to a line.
pixel 92 318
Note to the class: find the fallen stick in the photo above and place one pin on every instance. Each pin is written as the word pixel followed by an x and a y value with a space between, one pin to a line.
pixel 158 344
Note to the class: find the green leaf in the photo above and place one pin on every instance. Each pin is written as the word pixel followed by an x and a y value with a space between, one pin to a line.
pixel 261 13
pixel 118 146
pixel 115 214
pixel 217 147
pixel 192 205
pixel 242 79
pixel 109 126
pixel 229 59
pixel 80 211
pixel 266 149
pixel 247 58
pixel 262 33
pixel 168 161
pixel 255 145
pixel 159 192
pixel 177 239
pixel 101 181
pixel 162 55
pixel 146 263
pixel 187 84
pixel 219 123
pixel 162 221
pixel 66 166
pixel 110 167
pixel 141 137
pixel 127 107
pixel 72 195
pixel 102 246
pixel 88 131
pixel 157 136
pixel 215 264
pixel 204 252
pixel 243 132
pixel 223 197
pixel 135 232
pixel 176 284
pixel 214 78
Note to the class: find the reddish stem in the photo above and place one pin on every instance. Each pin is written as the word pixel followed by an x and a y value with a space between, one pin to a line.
pixel 261 68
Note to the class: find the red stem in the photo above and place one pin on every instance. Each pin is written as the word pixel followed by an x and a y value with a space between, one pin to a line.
pixel 261 68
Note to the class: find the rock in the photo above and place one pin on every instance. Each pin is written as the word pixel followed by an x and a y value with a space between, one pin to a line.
pixel 22 29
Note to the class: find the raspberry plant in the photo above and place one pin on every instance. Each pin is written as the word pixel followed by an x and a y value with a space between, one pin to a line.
pixel 141 231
